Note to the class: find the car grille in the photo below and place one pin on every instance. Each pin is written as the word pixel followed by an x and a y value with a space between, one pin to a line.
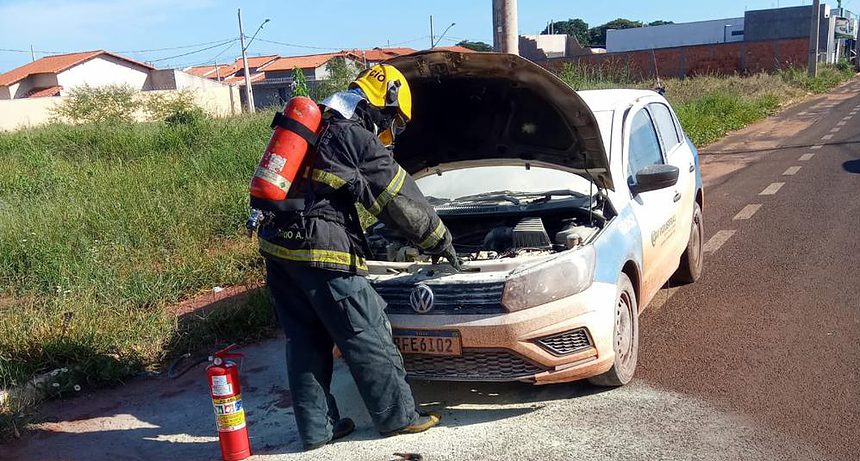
pixel 473 365
pixel 567 342
pixel 460 298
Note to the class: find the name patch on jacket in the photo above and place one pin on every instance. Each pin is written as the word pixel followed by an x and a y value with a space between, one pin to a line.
pixel 291 234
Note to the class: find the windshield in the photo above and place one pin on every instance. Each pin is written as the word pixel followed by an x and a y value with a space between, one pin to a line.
pixel 480 180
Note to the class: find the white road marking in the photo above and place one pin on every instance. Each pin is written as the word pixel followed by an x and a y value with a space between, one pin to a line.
pixel 747 212
pixel 791 171
pixel 717 241
pixel 835 130
pixel 847 117
pixel 806 157
pixel 817 146
pixel 826 137
pixel 842 123
pixel 802 113
pixel 772 189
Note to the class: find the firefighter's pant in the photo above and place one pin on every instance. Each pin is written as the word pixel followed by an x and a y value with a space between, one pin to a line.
pixel 318 308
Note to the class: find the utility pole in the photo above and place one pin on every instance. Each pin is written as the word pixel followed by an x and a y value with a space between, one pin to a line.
pixel 249 95
pixel 814 31
pixel 432 39
pixel 32 53
pixel 505 37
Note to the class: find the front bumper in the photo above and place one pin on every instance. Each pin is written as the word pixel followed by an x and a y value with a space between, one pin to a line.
pixel 504 347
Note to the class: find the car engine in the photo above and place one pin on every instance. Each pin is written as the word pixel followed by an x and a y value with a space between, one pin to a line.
pixel 482 237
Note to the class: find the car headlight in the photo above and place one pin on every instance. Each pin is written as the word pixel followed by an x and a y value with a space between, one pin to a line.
pixel 563 276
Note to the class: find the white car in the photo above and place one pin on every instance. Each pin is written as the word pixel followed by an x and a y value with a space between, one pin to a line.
pixel 571 210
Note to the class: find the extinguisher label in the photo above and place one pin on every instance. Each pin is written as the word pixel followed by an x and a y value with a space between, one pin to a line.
pixel 229 414
pixel 220 386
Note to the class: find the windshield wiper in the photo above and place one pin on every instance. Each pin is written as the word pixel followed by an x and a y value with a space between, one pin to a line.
pixel 489 196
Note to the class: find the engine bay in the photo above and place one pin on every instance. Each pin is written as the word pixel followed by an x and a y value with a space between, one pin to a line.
pixel 484 231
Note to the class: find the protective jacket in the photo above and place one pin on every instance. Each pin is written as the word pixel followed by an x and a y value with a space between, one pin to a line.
pixel 350 168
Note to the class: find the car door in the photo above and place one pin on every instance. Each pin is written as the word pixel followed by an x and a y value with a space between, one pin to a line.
pixel 677 153
pixel 655 210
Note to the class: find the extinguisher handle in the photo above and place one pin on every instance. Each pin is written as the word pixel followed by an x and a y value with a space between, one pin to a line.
pixel 226 354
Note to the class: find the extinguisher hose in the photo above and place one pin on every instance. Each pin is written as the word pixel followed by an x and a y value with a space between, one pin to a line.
pixel 172 372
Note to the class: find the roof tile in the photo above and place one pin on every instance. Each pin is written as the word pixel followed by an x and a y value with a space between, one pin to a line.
pixel 304 62
pixel 57 63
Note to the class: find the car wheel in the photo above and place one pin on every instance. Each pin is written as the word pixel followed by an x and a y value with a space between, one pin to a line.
pixel 693 259
pixel 625 338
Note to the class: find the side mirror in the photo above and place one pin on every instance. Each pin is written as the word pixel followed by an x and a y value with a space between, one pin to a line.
pixel 654 177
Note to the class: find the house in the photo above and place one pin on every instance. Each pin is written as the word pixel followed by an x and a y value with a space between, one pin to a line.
pixel 374 56
pixel 56 75
pixel 455 48
pixel 29 94
pixel 223 72
pixel 273 85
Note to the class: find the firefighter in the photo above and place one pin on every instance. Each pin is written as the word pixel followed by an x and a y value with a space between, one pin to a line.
pixel 315 261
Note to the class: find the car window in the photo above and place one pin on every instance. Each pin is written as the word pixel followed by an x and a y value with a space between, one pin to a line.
pixel 665 125
pixel 644 149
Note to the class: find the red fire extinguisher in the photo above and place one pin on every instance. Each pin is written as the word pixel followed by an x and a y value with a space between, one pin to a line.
pixel 295 132
pixel 226 393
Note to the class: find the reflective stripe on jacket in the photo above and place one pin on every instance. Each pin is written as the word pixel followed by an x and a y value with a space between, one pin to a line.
pixel 350 167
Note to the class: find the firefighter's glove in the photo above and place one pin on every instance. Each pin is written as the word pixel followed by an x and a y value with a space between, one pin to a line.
pixel 450 254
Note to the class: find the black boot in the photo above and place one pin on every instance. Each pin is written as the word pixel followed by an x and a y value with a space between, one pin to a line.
pixel 342 428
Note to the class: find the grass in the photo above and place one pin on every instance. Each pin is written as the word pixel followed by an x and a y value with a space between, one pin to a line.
pixel 104 226
pixel 711 106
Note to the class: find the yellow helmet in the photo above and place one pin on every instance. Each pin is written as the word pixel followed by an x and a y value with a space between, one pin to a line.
pixel 385 86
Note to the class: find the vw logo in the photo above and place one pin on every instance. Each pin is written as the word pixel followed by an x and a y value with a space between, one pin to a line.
pixel 421 299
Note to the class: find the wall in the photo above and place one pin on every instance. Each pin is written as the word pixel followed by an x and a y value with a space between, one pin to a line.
pixel 537 47
pixel 20 89
pixel 722 58
pixel 550 46
pixel 793 22
pixel 17 113
pixel 102 71
pixel 674 35
pixel 779 23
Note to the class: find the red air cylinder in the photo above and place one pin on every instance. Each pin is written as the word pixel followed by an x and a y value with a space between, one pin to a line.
pixel 294 131
pixel 226 393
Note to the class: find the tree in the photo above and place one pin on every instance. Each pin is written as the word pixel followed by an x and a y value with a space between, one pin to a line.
pixel 575 27
pixel 660 22
pixel 341 72
pixel 103 104
pixel 597 35
pixel 476 46
pixel 300 84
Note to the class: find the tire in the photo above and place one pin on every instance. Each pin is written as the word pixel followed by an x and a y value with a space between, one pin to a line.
pixel 693 259
pixel 625 338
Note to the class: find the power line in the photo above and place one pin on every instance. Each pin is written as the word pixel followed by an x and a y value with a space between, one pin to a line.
pixel 34 51
pixel 192 52
pixel 178 47
pixel 223 40
pixel 215 58
pixel 423 37
pixel 310 47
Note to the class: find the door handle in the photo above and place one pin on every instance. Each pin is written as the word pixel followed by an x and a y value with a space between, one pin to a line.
pixel 677 197
pixel 692 168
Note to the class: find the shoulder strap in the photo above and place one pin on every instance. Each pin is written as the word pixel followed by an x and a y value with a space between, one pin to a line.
pixel 296 127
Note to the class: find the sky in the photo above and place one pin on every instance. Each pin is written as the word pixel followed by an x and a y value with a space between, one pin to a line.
pixel 180 33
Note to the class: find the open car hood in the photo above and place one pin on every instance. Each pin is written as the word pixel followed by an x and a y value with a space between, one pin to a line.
pixel 495 109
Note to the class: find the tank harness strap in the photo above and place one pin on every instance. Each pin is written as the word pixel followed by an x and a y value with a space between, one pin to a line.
pixel 291 125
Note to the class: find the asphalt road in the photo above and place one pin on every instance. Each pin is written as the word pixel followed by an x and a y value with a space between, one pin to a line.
pixel 759 360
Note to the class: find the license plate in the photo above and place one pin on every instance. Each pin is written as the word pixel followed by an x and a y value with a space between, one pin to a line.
pixel 428 342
